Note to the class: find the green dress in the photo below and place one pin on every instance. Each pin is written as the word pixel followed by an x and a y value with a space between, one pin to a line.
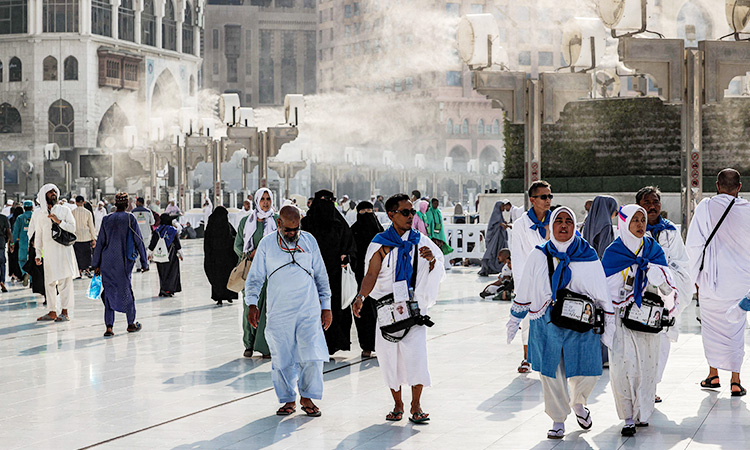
pixel 435 232
pixel 253 338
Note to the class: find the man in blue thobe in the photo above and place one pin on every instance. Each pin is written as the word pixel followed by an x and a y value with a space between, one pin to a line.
pixel 298 310
pixel 21 236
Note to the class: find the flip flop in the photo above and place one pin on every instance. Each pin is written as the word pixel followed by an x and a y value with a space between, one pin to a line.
pixel 394 416
pixel 628 430
pixel 657 399
pixel 46 318
pixel 525 367
pixel 311 411
pixel 62 318
pixel 109 333
pixel 285 411
pixel 708 383
pixel 582 420
pixel 739 393
pixel 136 328
pixel 419 418
pixel 556 434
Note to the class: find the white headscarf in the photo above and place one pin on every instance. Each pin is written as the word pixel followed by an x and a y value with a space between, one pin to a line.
pixel 624 217
pixel 41 197
pixel 562 246
pixel 251 224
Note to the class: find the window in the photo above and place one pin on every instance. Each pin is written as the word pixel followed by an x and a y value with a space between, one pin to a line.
pixel 347 30
pixel 309 4
pixel 13 16
pixel 148 23
pixel 14 69
pixel 449 127
pixel 285 3
pixel 169 27
pixel 480 126
pixel 187 31
pixel 215 39
pixel 248 99
pixel 216 68
pixel 288 65
pixel 477 8
pixel 409 83
pixel 232 40
pixel 70 68
pixel 248 40
pixel 10 119
pixel 357 10
pixel 546 59
pixel 309 64
pixel 231 69
pixel 49 69
pixel 61 124
pixel 453 78
pixel 524 58
pixel 126 21
pixel 60 16
pixel 320 35
pixel 330 34
pixel 496 127
pixel 265 68
pixel 347 11
pixel 357 28
pixel 101 17
pixel 115 69
pixel 465 126
pixel 452 9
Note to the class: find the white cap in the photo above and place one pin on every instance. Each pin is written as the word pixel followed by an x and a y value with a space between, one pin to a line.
pixel 505 201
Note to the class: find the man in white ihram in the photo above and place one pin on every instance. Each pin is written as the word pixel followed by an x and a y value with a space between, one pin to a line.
pixel 60 265
pixel 723 276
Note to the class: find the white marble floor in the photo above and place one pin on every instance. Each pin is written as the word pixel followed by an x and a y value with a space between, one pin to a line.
pixel 182 382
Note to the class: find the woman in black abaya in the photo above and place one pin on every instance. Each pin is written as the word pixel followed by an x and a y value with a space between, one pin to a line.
pixel 219 256
pixel 169 272
pixel 363 230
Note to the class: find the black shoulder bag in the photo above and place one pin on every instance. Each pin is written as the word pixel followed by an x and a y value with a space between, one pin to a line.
pixel 711 236
pixel 61 236
pixel 651 317
pixel 575 311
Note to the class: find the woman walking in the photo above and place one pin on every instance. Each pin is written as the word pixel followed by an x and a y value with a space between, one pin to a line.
pixel 219 257
pixel 169 272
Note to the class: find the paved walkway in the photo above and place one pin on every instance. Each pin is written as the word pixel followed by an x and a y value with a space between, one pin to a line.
pixel 182 383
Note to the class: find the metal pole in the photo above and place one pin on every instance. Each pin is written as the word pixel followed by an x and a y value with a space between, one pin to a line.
pixel 692 137
pixel 532 137
pixel 244 171
pixel 286 180
pixel 217 153
pixel 153 175
pixel 263 160
pixel 181 177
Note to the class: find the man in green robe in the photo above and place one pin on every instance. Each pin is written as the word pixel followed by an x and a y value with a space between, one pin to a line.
pixel 20 241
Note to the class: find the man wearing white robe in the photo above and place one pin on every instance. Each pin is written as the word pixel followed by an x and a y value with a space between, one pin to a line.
pixel 298 310
pixel 405 361
pixel 60 266
pixel 527 234
pixel 670 240
pixel 725 277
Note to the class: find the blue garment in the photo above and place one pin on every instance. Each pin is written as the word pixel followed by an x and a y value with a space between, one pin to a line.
pixel 581 352
pixel 110 257
pixel 297 290
pixel 390 238
pixel 663 224
pixel 21 237
pixel 579 250
pixel 168 232
pixel 538 225
pixel 618 257
pixel 745 303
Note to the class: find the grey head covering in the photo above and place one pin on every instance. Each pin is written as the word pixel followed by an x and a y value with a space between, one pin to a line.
pixel 598 227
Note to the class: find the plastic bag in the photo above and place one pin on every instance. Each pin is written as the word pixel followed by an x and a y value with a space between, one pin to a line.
pixel 95 288
pixel 348 286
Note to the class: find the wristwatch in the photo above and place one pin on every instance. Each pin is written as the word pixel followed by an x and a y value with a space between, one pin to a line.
pixel 359 296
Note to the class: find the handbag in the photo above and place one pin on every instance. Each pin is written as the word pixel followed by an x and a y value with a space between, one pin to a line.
pixel 574 311
pixel 238 276
pixel 161 252
pixel 349 286
pixel 651 317
pixel 61 236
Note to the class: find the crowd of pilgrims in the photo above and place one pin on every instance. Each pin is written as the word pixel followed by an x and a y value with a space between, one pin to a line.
pixel 585 296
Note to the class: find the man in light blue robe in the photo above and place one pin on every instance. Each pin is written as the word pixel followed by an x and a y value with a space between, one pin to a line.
pixel 298 310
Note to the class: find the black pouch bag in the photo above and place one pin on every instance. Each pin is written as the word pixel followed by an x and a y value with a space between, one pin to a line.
pixel 61 236
pixel 651 317
pixel 575 311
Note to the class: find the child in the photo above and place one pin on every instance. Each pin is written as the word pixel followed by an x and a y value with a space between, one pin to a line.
pixel 502 289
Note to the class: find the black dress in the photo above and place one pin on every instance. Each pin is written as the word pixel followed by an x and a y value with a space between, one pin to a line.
pixel 219 256
pixel 169 272
pixel 334 239
pixel 363 230
pixel 36 272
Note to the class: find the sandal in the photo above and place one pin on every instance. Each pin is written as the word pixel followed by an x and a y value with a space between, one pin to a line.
pixel 641 424
pixel 419 418
pixel 739 393
pixel 584 422
pixel 62 318
pixel 525 367
pixel 46 318
pixel 556 434
pixel 657 399
pixel 134 328
pixel 109 333
pixel 708 383
pixel 311 411
pixel 285 411
pixel 628 430
pixel 394 416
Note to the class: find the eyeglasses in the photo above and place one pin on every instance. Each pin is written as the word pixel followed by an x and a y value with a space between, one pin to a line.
pixel 543 197
pixel 290 230
pixel 405 212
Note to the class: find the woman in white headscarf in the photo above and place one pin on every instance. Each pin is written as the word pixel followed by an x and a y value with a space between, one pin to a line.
pixel 252 228
pixel 563 356
pixel 635 263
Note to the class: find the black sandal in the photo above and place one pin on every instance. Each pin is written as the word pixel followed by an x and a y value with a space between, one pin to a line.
pixel 285 411
pixel 134 328
pixel 311 411
pixel 582 420
pixel 739 393
pixel 707 383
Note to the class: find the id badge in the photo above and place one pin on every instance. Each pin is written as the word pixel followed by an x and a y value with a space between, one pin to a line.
pixel 400 291
pixel 629 282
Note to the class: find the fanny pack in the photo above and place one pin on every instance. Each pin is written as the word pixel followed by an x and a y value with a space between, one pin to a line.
pixel 651 317
pixel 574 311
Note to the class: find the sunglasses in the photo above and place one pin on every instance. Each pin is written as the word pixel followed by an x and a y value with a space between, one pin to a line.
pixel 543 197
pixel 290 230
pixel 405 212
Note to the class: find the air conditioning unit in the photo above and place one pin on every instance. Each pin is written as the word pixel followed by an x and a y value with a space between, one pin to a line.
pixel 294 105
pixel 51 151
pixel 229 109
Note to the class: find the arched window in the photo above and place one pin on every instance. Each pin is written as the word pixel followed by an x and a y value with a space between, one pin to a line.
pixel 187 30
pixel 10 119
pixel 13 16
pixel 60 16
pixel 61 121
pixel 148 23
pixel 14 69
pixel 70 68
pixel 49 69
pixel 465 126
pixel 110 133
pixel 126 21
pixel 480 126
pixel 101 17
pixel 496 127
pixel 169 27
pixel 449 127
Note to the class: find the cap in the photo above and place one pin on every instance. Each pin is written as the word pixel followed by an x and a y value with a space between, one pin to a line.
pixel 28 203
pixel 505 201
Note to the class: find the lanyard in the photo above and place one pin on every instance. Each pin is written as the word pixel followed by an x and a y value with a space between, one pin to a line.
pixel 625 272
